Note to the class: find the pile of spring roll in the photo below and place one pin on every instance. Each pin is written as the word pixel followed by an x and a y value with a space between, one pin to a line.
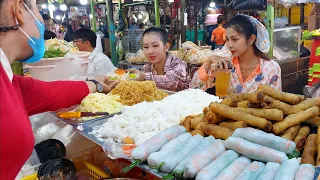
pixel 248 154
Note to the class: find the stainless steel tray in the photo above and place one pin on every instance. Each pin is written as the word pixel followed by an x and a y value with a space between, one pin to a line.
pixel 76 122
pixel 85 129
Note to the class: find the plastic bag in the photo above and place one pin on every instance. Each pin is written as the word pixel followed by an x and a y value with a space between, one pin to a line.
pixel 241 5
pixel 137 57
pixel 71 68
pixel 313 91
pixel 116 150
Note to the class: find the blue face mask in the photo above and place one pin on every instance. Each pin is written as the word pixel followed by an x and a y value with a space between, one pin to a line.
pixel 37 44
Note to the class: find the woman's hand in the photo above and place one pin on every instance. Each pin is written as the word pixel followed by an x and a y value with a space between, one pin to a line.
pixel 141 75
pixel 107 84
pixel 216 62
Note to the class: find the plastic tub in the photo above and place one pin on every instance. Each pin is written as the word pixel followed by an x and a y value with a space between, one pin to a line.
pixel 41 72
pixel 54 61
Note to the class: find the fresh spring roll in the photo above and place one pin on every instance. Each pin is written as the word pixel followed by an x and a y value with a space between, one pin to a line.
pixel 252 171
pixel 172 160
pixel 305 172
pixel 269 171
pixel 156 158
pixel 202 158
pixel 154 144
pixel 234 169
pixel 265 139
pixel 205 144
pixel 255 151
pixel 287 170
pixel 212 170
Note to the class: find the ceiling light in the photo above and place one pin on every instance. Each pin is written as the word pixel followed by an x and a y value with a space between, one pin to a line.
pixel 58 17
pixel 212 4
pixel 140 16
pixel 52 7
pixel 83 2
pixel 63 7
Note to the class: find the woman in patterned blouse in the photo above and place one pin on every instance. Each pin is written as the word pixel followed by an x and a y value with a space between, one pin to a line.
pixel 168 72
pixel 247 40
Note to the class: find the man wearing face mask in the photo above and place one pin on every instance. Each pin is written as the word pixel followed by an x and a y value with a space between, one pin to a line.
pixel 22 39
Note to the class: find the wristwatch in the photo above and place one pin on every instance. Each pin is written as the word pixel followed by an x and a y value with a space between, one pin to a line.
pixel 98 84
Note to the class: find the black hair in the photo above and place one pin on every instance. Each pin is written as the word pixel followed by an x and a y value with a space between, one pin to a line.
pixel 49 35
pixel 244 25
pixel 220 19
pixel 86 34
pixel 141 25
pixel 162 33
pixel 46 17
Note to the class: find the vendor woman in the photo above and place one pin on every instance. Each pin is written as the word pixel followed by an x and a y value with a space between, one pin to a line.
pixel 168 72
pixel 22 40
pixel 248 41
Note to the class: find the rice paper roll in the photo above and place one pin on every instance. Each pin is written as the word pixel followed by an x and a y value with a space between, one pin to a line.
pixel 234 169
pixel 255 151
pixel 269 171
pixel 287 170
pixel 156 158
pixel 305 172
pixel 265 139
pixel 213 169
pixel 252 171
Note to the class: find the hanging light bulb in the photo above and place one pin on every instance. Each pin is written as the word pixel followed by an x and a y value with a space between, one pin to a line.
pixel 58 17
pixel 63 7
pixel 52 7
pixel 140 16
pixel 212 4
pixel 83 2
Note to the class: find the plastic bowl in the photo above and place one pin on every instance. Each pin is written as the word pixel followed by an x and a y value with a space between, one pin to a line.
pixel 41 72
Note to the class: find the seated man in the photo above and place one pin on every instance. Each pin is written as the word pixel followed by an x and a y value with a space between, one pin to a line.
pixel 85 39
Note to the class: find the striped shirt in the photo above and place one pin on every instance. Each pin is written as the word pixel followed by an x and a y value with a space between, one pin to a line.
pixel 175 77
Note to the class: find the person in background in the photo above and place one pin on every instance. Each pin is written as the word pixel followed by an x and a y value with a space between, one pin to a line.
pixel 85 39
pixel 219 34
pixel 141 26
pixel 168 72
pixel 51 26
pixel 248 41
pixel 49 35
pixel 69 35
pixel 22 40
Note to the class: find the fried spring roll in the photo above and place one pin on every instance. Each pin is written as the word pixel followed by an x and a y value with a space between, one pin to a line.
pixel 238 115
pixel 285 108
pixel 270 114
pixel 197 120
pixel 228 102
pixel 206 110
pixel 243 104
pixel 213 118
pixel 301 137
pixel 282 96
pixel 254 97
pixel 291 133
pixel 233 125
pixel 195 132
pixel 294 119
pixel 313 121
pixel 214 130
pixel 304 105
pixel 310 150
pixel 318 148
pixel 187 124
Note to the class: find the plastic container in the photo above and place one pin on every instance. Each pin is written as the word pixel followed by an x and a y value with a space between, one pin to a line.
pixel 40 72
pixel 65 135
pixel 31 166
pixel 54 61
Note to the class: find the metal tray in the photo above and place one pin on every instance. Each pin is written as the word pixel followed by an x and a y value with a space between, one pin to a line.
pixel 85 128
pixel 76 122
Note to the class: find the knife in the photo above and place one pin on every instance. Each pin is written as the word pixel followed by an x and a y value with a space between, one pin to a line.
pixel 68 115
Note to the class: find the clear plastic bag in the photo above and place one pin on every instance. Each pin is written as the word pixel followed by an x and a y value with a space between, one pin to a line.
pixel 117 150
pixel 71 68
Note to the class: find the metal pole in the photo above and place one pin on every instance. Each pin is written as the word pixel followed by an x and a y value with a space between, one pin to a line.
pixel 183 30
pixel 157 12
pixel 112 32
pixel 93 21
pixel 302 14
pixel 196 24
pixel 270 26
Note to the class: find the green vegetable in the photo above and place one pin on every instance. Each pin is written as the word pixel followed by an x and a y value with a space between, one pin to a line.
pixel 133 76
pixel 52 53
pixel 113 78
pixel 318 51
pixel 295 154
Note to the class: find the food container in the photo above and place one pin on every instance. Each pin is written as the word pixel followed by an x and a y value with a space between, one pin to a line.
pixel 42 72
pixel 54 61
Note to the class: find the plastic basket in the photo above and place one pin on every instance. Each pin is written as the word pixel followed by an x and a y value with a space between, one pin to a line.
pixel 95 172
